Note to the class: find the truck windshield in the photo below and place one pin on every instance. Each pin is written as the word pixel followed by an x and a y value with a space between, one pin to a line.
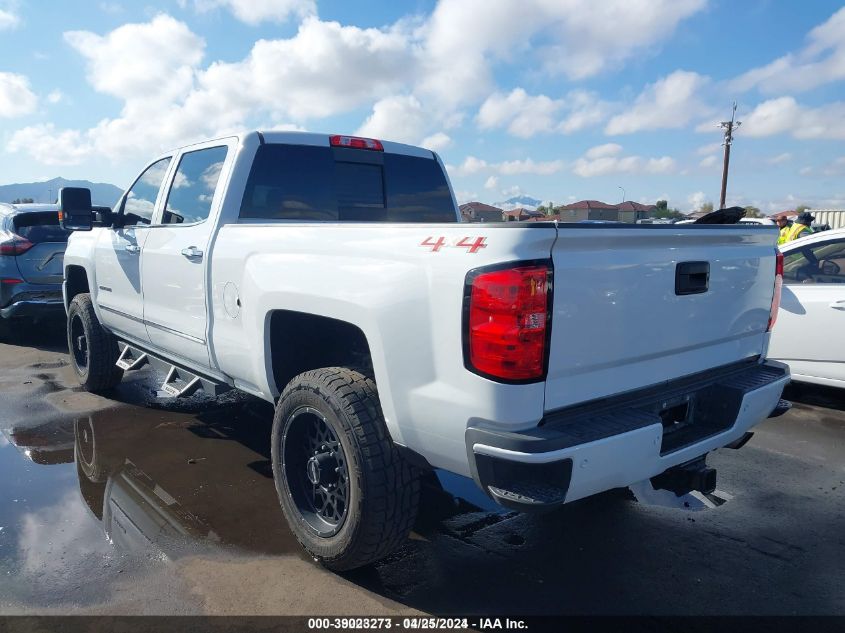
pixel 40 227
pixel 303 182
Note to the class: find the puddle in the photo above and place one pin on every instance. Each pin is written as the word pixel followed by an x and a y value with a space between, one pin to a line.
pixel 134 488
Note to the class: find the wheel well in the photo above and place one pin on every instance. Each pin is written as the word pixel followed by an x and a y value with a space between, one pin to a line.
pixel 301 342
pixel 76 282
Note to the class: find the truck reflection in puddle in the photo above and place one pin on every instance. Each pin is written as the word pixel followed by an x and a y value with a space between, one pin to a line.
pixel 179 482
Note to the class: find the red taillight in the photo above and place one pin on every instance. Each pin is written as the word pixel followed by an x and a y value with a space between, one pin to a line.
pixel 11 282
pixel 508 322
pixel 15 246
pixel 356 142
pixel 773 313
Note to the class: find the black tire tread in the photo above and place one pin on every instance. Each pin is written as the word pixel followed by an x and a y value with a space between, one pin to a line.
pixel 391 490
pixel 103 374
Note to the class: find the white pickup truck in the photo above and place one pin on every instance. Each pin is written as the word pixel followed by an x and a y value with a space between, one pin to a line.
pixel 330 275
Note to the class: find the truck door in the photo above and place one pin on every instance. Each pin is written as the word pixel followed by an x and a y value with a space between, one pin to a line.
pixel 175 259
pixel 118 254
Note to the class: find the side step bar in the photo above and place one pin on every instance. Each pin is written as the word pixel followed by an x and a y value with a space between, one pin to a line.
pixel 178 382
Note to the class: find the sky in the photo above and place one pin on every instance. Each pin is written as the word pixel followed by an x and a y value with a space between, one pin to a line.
pixel 560 100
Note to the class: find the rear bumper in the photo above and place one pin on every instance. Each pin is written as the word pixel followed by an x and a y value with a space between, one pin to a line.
pixel 31 303
pixel 616 442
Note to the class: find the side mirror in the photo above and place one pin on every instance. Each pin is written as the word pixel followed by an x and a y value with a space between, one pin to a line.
pixel 75 212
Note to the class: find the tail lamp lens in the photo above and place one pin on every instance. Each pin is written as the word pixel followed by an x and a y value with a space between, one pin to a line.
pixel 15 246
pixel 773 313
pixel 508 319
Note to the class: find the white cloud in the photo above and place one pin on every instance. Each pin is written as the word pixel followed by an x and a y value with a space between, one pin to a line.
pixel 16 98
pixel 576 38
pixel 437 142
pixel 112 8
pixel 601 151
pixel 708 149
pixel 525 115
pixel 528 166
pixel 695 200
pixel 709 161
pixel 780 159
pixel 465 196
pixel 607 159
pixel 396 118
pixel 50 146
pixel 670 102
pixel 8 20
pixel 56 96
pixel 471 165
pixel 820 62
pixel 153 61
pixel 491 183
pixel 256 11
pixel 806 171
pixel 785 115
pixel 170 100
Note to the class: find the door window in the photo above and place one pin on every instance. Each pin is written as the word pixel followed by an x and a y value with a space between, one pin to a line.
pixel 819 263
pixel 192 191
pixel 139 204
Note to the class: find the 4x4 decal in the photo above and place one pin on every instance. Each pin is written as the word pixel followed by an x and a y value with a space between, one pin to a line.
pixel 465 242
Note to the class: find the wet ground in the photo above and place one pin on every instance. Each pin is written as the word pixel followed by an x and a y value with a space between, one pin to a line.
pixel 134 504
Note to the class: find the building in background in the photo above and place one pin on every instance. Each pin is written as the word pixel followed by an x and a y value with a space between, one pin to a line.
pixel 631 211
pixel 480 212
pixel 521 214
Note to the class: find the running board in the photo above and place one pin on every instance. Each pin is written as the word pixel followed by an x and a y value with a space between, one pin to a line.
pixel 131 359
pixel 178 382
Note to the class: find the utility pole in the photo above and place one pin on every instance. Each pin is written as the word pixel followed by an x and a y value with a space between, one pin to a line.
pixel 729 127
pixel 623 192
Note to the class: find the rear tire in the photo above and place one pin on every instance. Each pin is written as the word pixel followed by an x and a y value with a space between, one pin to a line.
pixel 346 492
pixel 93 350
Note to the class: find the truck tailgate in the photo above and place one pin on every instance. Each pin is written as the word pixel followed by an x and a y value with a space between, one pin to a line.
pixel 619 323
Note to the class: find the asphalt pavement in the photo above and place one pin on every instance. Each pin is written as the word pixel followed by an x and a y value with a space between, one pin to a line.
pixel 134 504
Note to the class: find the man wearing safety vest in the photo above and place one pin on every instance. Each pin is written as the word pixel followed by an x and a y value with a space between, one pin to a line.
pixel 783 227
pixel 801 228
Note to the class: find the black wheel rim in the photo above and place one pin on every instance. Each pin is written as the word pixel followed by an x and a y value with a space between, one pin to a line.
pixel 78 343
pixel 315 468
pixel 85 444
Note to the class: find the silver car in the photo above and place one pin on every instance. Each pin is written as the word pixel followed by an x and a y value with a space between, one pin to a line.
pixel 32 246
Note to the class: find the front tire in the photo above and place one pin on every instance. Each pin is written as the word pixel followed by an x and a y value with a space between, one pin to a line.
pixel 93 350
pixel 346 492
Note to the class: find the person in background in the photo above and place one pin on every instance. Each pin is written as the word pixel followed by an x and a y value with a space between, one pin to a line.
pixel 801 228
pixel 783 227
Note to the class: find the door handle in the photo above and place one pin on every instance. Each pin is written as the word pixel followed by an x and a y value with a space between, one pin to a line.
pixel 133 248
pixel 837 305
pixel 192 252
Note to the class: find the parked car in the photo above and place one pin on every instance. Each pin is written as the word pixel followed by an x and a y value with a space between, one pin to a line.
pixel 330 276
pixel 32 245
pixel 810 334
pixel 764 221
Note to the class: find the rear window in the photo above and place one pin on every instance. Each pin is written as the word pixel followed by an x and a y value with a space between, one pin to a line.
pixel 40 227
pixel 302 182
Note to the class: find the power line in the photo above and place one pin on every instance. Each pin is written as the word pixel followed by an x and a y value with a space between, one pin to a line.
pixel 729 127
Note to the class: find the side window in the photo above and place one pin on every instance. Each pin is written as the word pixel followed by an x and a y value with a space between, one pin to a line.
pixel 192 191
pixel 822 263
pixel 141 199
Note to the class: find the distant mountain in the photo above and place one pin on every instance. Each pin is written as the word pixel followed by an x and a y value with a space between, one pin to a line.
pixel 102 193
pixel 519 201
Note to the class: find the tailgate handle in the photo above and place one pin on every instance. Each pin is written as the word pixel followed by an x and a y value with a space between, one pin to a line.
pixel 692 278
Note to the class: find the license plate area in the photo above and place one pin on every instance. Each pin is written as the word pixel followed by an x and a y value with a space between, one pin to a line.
pixel 695 416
